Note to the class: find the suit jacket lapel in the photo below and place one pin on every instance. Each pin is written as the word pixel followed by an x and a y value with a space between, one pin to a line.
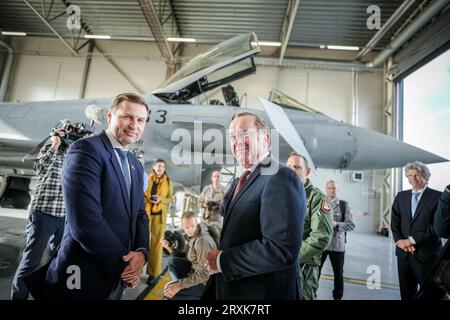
pixel 229 195
pixel 134 186
pixel 226 212
pixel 231 203
pixel 408 206
pixel 247 184
pixel 117 168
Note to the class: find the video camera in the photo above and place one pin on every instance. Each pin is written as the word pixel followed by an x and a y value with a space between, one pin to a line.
pixel 72 132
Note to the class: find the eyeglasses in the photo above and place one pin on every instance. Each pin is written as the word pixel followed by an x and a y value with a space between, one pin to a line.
pixel 243 134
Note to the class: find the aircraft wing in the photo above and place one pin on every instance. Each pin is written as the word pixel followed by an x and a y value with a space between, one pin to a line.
pixel 14 145
pixel 287 130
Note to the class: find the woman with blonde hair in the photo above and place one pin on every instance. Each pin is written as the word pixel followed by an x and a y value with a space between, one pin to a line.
pixel 157 199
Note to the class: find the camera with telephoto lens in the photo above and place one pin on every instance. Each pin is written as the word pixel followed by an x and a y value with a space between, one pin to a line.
pixel 175 239
pixel 72 132
pixel 213 206
pixel 171 238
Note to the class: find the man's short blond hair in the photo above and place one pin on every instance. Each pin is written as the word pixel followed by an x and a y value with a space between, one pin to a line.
pixel 188 215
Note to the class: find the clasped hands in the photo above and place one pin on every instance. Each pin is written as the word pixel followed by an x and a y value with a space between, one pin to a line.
pixel 131 275
pixel 406 245
pixel 211 261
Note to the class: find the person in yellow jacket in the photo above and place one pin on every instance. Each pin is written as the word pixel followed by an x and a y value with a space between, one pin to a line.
pixel 157 199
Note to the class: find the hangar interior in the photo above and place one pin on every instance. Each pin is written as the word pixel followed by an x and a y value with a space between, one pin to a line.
pixel 136 45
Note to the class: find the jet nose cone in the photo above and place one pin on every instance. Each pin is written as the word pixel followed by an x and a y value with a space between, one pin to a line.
pixel 378 151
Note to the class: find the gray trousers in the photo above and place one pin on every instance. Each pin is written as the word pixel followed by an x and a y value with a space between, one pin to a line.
pixel 42 230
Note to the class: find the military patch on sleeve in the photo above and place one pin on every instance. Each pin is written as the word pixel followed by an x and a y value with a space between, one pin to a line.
pixel 325 206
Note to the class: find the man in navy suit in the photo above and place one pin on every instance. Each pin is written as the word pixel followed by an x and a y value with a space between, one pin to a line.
pixel 412 228
pixel 262 231
pixel 105 242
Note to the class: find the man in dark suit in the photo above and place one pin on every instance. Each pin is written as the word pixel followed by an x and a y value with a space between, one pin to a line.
pixel 429 289
pixel 264 213
pixel 412 227
pixel 106 237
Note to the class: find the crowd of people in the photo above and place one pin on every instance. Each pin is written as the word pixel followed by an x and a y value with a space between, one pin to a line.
pixel 275 228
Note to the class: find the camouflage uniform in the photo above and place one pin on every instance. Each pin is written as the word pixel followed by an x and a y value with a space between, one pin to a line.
pixel 318 230
pixel 211 194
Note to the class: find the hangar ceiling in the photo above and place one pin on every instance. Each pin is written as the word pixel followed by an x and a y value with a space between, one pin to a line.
pixel 290 23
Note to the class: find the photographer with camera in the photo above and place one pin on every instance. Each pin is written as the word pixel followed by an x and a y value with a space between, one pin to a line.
pixel 47 210
pixel 211 198
pixel 187 268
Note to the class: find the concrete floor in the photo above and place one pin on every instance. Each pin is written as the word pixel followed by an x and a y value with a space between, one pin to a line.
pixel 363 251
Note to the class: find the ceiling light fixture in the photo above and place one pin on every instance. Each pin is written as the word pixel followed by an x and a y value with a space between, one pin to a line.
pixel 13 33
pixel 269 43
pixel 181 39
pixel 332 47
pixel 97 36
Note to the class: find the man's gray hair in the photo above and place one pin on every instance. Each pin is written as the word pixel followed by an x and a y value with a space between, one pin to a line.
pixel 420 167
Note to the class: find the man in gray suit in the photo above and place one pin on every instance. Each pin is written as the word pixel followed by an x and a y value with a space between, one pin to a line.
pixel 342 222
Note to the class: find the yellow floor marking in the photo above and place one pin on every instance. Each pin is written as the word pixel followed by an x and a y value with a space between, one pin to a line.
pixel 360 282
pixel 157 293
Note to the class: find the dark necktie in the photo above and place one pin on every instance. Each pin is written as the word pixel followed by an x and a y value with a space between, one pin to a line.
pixel 241 183
pixel 124 163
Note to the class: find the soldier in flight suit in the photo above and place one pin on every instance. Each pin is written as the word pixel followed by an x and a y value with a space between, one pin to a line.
pixel 318 228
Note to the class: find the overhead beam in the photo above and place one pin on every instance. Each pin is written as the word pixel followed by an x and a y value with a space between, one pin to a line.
pixel 288 24
pixel 178 49
pixel 71 49
pixel 7 69
pixel 434 8
pixel 151 16
pixel 335 65
pixel 396 16
pixel 87 66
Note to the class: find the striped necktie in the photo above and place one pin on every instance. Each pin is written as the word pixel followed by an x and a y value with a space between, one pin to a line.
pixel 126 173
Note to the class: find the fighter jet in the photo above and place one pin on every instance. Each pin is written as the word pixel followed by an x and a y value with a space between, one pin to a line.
pixel 183 132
